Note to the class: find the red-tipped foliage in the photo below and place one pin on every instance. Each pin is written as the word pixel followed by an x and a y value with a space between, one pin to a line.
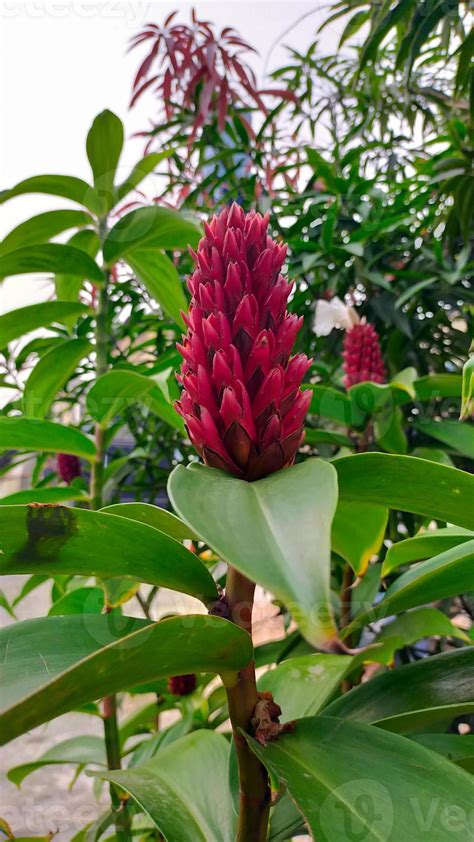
pixel 241 398
pixel 182 685
pixel 362 356
pixel 68 467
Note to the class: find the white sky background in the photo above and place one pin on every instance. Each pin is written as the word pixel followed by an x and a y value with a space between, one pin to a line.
pixel 63 62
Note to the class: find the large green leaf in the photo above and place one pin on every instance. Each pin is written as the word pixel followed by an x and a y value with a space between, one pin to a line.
pixel 190 778
pixel 331 403
pixel 302 686
pixel 18 322
pixel 160 279
pixel 456 434
pixel 81 751
pixel 52 665
pixel 358 531
pixel 459 749
pixel 67 186
pixel 117 390
pixel 153 227
pixel 424 545
pixel 50 374
pixel 357 782
pixel 44 495
pixel 409 484
pixel 153 516
pixel 68 287
pixel 45 437
pixel 146 166
pixel 407 630
pixel 434 386
pixel 50 257
pixel 56 539
pixel 412 697
pixel 276 531
pixel 104 145
pixel 40 229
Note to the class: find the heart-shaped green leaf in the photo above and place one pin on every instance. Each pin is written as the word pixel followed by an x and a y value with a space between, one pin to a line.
pixel 276 531
pixel 56 539
pixel 52 665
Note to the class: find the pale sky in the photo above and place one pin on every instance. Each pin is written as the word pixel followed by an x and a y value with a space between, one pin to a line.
pixel 63 62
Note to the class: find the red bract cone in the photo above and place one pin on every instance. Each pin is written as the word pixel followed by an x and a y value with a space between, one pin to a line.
pixel 68 467
pixel 362 356
pixel 241 398
pixel 182 685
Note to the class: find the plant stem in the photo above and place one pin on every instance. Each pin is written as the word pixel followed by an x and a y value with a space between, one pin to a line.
pixel 101 349
pixel 242 700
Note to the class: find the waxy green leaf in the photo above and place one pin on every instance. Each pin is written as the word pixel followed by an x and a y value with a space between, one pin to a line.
pixel 80 751
pixel 457 435
pixel 357 782
pixel 104 145
pixel 117 390
pixel 18 322
pixel 160 278
pixel 276 531
pixel 52 665
pixel 40 228
pixel 153 227
pixel 44 437
pixel 56 539
pixel 424 545
pixel 459 749
pixel 60 494
pixel 303 685
pixel 153 516
pixel 50 374
pixel 66 186
pixel 190 777
pixel 358 531
pixel 50 257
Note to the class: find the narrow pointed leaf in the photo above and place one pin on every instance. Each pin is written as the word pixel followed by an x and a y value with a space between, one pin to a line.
pixel 434 386
pixel 81 750
pixel 53 665
pixel 425 545
pixel 154 227
pixel 44 437
pixel 50 374
pixel 104 145
pixel 44 495
pixel 146 166
pixel 18 322
pixel 413 697
pixel 117 390
pixel 190 777
pixel 409 484
pixel 358 531
pixel 153 516
pixel 459 749
pixel 456 434
pixel 161 280
pixel 50 257
pixel 57 185
pixel 56 539
pixel 357 782
pixel 276 531
pixel 40 228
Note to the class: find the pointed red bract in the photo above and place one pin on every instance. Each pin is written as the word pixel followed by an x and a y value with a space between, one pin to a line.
pixel 362 356
pixel 241 398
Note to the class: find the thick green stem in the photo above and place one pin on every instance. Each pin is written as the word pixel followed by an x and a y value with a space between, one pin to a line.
pixel 242 700
pixel 112 747
pixel 102 364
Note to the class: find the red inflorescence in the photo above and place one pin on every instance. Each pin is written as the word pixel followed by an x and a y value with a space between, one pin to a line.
pixel 68 467
pixel 182 685
pixel 362 356
pixel 241 398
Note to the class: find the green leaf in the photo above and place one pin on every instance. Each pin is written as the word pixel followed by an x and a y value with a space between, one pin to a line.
pixel 409 484
pixel 424 545
pixel 410 628
pixel 81 750
pixel 467 408
pixel 438 386
pixel 50 374
pixel 413 697
pixel 44 495
pixel 276 531
pixel 56 539
pixel 117 390
pixel 51 257
pixel 57 185
pixel 384 23
pixel 146 166
pixel 44 437
pixel 303 685
pixel 78 601
pixel 190 777
pixel 40 229
pixel 104 145
pixel 53 665
pixel 18 322
pixel 459 749
pixel 433 454
pixel 314 437
pixel 153 227
pixel 331 403
pixel 357 782
pixel 445 575
pixel 160 279
pixel 358 531
pixel 153 516
pixel 68 287
pixel 456 434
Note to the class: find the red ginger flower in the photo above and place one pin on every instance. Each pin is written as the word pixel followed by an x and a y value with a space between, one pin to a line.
pixel 182 685
pixel 68 467
pixel 363 356
pixel 241 398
